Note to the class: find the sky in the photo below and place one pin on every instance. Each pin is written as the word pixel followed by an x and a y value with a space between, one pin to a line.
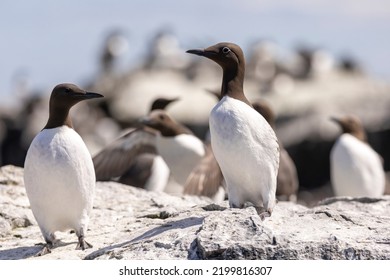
pixel 49 42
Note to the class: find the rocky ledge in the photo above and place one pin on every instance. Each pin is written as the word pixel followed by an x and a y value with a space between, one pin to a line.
pixel 129 223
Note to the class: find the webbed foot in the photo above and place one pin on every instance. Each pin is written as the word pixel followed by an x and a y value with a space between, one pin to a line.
pixel 45 250
pixel 82 245
pixel 264 215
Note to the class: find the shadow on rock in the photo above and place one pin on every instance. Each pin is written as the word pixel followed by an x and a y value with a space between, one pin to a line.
pixel 181 224
pixel 19 253
pixel 28 252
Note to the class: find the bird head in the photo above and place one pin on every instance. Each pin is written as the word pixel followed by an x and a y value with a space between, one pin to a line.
pixel 227 55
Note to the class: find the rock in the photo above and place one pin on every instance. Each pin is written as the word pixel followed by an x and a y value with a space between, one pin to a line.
pixel 130 223
pixel 10 175
pixel 14 212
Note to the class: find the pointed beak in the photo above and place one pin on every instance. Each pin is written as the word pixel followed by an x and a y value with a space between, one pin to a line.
pixel 145 121
pixel 170 101
pixel 90 95
pixel 209 53
pixel 175 99
pixel 197 52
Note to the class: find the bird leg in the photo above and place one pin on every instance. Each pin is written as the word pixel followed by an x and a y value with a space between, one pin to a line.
pixel 262 212
pixel 45 250
pixel 82 243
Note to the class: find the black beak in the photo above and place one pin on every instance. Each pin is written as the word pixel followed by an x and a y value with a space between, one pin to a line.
pixel 145 121
pixel 90 95
pixel 197 52
pixel 174 99
pixel 210 54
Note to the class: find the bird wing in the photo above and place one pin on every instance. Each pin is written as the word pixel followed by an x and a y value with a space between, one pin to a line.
pixel 115 159
pixel 287 180
pixel 206 177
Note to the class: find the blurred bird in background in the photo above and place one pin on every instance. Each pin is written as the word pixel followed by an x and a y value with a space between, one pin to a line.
pixel 356 169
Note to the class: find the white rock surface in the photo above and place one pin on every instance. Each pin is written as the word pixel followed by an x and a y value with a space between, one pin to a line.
pixel 129 223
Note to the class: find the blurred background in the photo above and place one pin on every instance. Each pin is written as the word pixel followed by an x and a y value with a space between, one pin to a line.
pixel 309 60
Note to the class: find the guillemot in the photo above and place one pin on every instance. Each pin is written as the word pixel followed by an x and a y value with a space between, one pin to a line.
pixel 148 169
pixel 206 177
pixel 120 156
pixel 356 168
pixel 244 144
pixel 58 171
pixel 175 143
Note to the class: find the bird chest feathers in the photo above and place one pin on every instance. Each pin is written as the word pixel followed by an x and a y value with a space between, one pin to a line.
pixel 235 126
pixel 356 169
pixel 181 153
pixel 58 158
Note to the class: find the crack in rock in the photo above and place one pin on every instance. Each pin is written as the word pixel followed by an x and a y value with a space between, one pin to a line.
pixel 323 212
pixel 332 200
pixel 160 215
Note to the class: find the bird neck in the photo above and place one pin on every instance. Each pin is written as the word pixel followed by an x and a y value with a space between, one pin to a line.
pixel 173 129
pixel 361 135
pixel 58 117
pixel 233 84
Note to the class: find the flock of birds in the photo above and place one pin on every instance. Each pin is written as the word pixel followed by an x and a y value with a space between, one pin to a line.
pixel 241 160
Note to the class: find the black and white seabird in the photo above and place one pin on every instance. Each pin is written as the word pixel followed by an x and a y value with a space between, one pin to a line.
pixel 130 159
pixel 356 169
pixel 148 170
pixel 58 171
pixel 287 180
pixel 176 144
pixel 161 103
pixel 143 167
pixel 244 144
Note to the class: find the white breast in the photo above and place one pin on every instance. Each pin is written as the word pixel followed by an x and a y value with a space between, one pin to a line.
pixel 159 175
pixel 247 151
pixel 181 153
pixel 356 169
pixel 59 179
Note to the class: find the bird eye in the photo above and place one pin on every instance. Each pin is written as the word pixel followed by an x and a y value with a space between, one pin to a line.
pixel 225 50
pixel 67 90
